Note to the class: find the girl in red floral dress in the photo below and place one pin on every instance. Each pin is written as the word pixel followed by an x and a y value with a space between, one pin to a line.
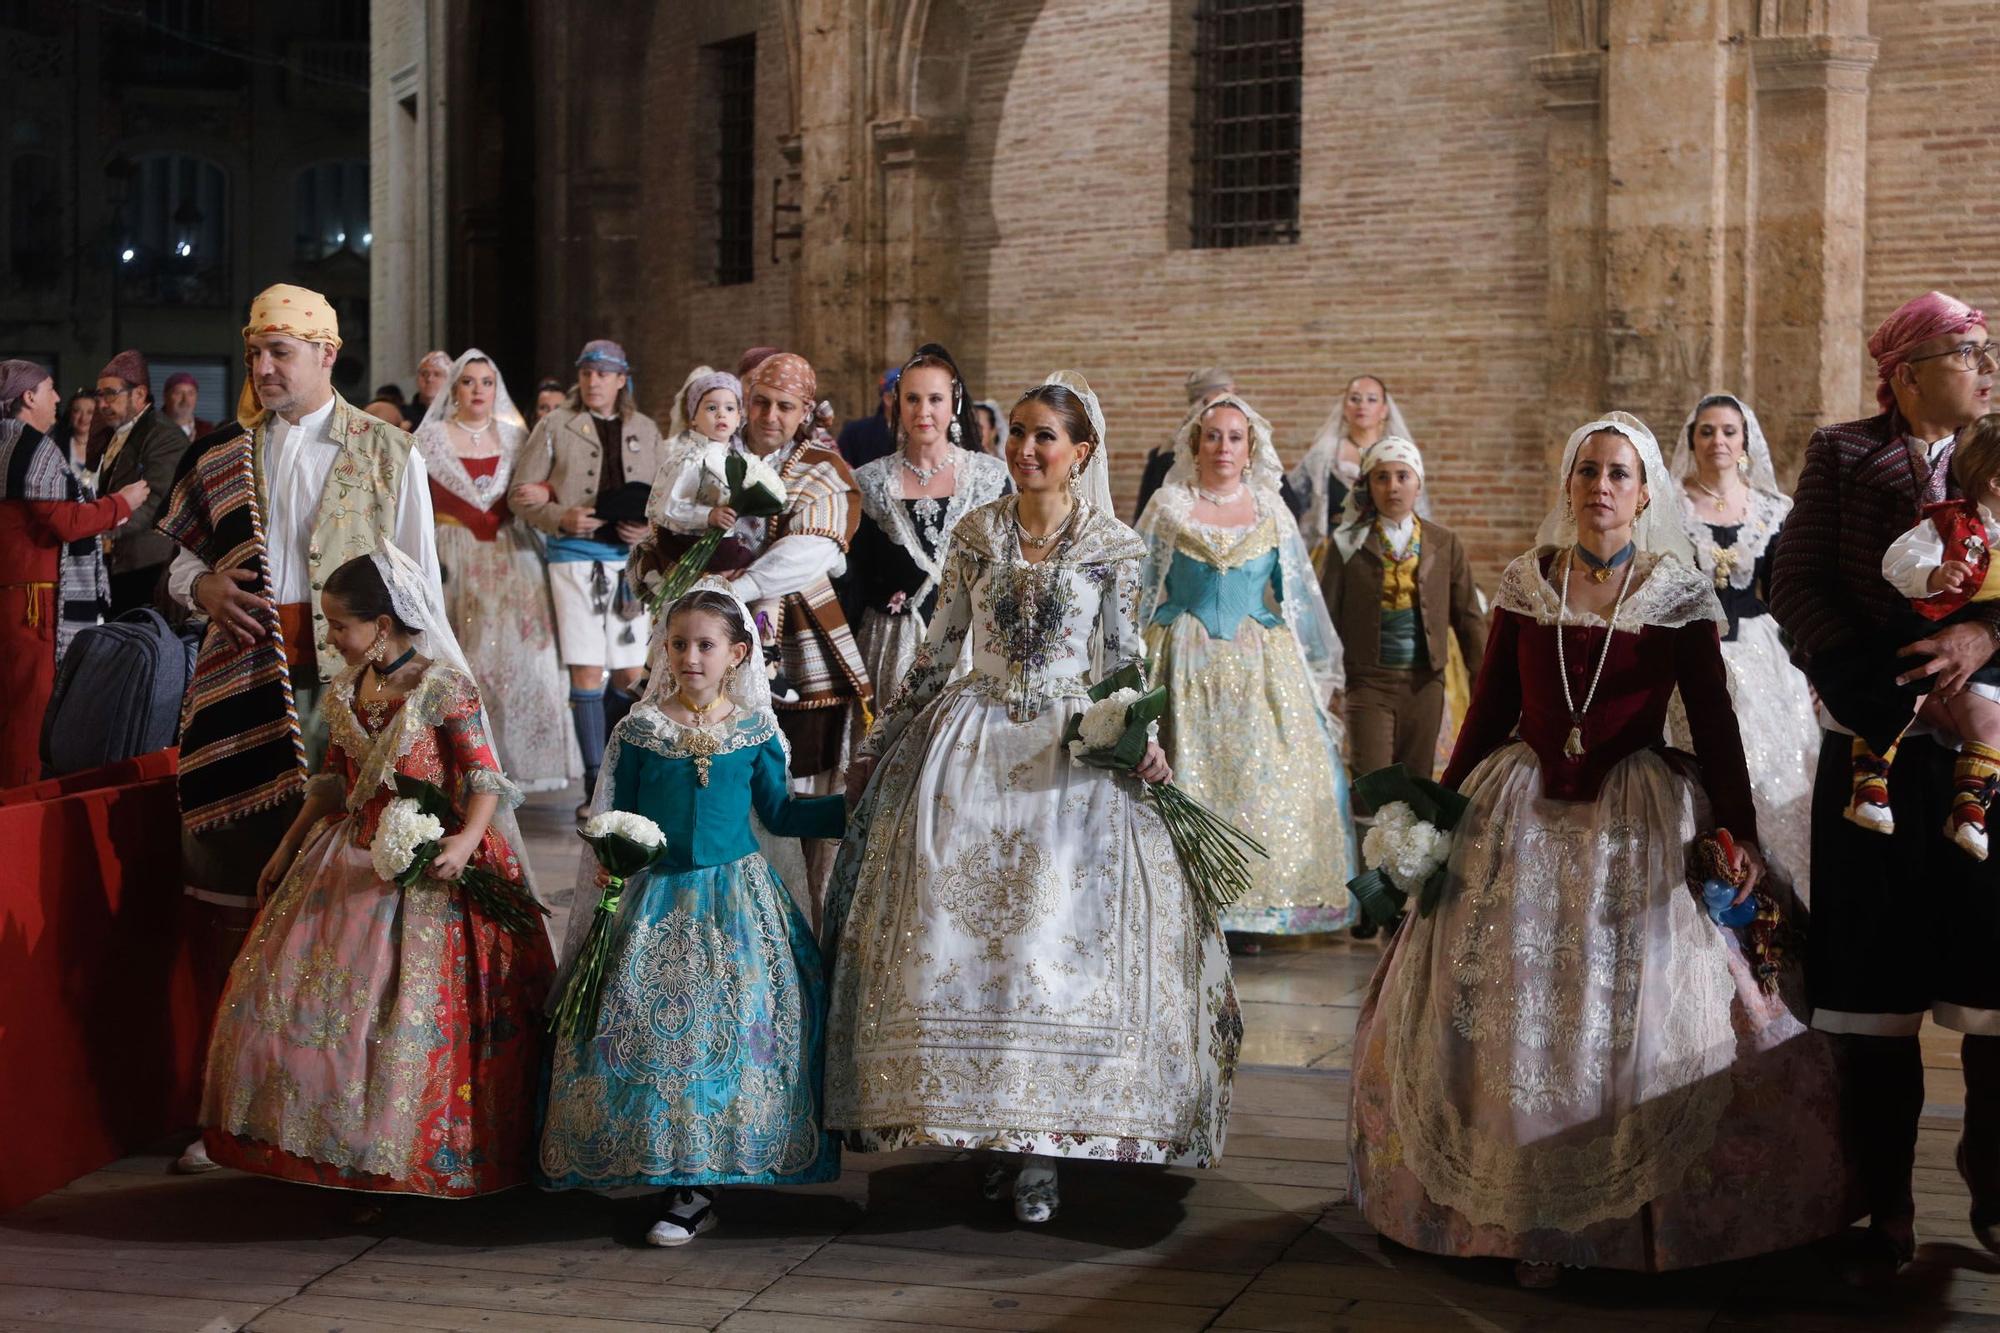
pixel 374 1037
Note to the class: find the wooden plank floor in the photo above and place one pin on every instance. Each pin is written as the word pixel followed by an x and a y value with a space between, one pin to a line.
pixel 1263 1244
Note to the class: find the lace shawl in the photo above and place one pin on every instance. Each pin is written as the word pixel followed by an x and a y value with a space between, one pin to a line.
pixel 1667 593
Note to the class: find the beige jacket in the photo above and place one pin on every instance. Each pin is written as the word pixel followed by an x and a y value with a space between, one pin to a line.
pixel 562 451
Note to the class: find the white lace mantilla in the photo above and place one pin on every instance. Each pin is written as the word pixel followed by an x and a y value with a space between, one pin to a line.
pixel 981 478
pixel 445 467
pixel 1763 518
pixel 1667 594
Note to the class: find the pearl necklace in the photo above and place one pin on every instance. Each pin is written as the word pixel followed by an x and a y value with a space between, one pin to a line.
pixel 1573 747
pixel 474 434
pixel 924 474
pixel 1220 500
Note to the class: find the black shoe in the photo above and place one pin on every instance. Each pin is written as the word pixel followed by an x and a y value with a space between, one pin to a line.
pixel 1364 930
pixel 1878 1253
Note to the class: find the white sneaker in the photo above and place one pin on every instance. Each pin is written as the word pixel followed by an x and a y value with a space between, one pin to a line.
pixel 194 1160
pixel 689 1214
pixel 1035 1197
pixel 1875 818
pixel 1970 837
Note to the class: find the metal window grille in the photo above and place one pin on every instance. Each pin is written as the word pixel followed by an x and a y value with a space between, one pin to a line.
pixel 735 180
pixel 1247 65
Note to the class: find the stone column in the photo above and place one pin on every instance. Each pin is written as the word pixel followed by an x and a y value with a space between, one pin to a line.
pixel 1574 80
pixel 1665 208
pixel 831 299
pixel 916 185
pixel 1812 165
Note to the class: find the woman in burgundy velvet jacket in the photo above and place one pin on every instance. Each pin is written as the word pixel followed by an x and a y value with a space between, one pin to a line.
pixel 1567 1062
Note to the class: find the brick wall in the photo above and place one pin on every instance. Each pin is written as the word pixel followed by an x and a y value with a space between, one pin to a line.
pixel 1933 158
pixel 1421 256
pixel 694 321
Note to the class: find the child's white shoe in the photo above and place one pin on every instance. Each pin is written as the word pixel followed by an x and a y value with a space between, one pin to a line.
pixel 1969 834
pixel 690 1213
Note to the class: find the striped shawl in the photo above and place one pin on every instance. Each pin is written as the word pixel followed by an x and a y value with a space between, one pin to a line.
pixel 32 468
pixel 241 746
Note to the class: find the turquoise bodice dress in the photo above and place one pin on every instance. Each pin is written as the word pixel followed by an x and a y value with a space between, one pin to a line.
pixel 1238 634
pixel 706 1065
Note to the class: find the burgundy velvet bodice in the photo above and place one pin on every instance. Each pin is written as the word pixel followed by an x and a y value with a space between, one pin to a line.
pixel 1519 692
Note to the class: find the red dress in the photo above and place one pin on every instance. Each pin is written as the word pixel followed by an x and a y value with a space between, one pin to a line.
pixel 373 1037
pixel 1567 1061
pixel 32 533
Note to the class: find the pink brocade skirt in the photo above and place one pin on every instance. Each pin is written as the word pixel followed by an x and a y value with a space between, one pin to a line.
pixel 377 1038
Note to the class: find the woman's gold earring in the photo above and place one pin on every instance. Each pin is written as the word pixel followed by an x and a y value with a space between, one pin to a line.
pixel 1743 462
pixel 379 650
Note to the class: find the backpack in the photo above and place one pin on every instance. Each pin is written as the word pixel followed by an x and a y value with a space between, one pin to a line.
pixel 118 693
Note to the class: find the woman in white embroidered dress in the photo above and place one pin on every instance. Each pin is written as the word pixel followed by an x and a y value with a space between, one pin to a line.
pixel 1021 966
pixel 1239 634
pixel 911 499
pixel 496 588
pixel 1565 1060
pixel 1732 510
pixel 1331 466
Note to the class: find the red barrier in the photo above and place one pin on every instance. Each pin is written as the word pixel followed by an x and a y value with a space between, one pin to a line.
pixel 102 1021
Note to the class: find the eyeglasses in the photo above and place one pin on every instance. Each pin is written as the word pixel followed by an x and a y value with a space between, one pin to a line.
pixel 101 394
pixel 1973 358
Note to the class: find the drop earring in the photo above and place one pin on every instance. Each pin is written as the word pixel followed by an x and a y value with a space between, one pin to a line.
pixel 378 650
pixel 956 433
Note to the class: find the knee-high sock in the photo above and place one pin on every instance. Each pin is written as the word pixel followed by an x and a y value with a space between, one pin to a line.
pixel 1869 766
pixel 587 707
pixel 1977 766
pixel 1884 1096
pixel 1981 1059
pixel 617 703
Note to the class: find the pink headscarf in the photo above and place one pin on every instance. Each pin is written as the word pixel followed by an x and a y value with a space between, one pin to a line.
pixel 1932 315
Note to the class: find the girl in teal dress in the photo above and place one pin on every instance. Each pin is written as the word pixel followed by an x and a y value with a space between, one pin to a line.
pixel 705 1064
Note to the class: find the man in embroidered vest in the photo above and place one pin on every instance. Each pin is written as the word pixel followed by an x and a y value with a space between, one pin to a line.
pixel 263 510
pixel 799 553
pixel 1904 924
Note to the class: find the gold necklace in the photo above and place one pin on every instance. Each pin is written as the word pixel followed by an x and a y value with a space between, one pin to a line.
pixel 702 746
pixel 1038 543
pixel 700 711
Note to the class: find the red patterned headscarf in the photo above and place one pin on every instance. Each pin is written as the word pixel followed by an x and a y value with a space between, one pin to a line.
pixel 1932 315
pixel 787 372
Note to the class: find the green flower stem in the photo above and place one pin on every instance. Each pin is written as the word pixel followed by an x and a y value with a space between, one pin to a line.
pixel 686 570
pixel 575 1014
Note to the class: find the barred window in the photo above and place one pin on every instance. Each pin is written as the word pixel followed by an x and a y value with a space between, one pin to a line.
pixel 1247 61
pixel 735 82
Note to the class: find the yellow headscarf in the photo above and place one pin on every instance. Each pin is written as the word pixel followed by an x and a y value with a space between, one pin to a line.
pixel 294 312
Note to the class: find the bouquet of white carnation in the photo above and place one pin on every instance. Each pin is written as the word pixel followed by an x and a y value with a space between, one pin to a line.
pixel 1406 848
pixel 754 490
pixel 625 844
pixel 1112 733
pixel 410 835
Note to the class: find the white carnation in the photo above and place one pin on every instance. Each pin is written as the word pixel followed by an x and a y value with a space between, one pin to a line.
pixel 631 827
pixel 1103 723
pixel 403 829
pixel 756 472
pixel 1405 848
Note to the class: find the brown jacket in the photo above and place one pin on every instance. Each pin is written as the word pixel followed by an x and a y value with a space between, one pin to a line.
pixel 152 453
pixel 562 451
pixel 1446 598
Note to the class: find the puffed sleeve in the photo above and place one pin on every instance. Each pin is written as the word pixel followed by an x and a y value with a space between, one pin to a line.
pixel 1495 709
pixel 930 669
pixel 1908 562
pixel 787 815
pixel 469 753
pixel 1718 744
pixel 1119 641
